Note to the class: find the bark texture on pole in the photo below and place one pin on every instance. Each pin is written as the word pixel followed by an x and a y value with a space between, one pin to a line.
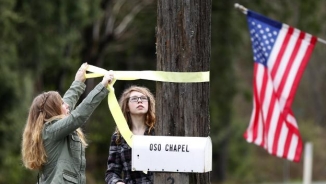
pixel 183 38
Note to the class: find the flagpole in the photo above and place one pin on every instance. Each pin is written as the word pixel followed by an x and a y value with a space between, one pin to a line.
pixel 244 11
pixel 241 8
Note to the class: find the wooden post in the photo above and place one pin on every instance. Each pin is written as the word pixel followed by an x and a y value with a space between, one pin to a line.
pixel 183 38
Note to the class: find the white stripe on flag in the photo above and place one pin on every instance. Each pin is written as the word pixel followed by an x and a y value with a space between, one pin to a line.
pixel 276 49
pixel 293 147
pixel 281 141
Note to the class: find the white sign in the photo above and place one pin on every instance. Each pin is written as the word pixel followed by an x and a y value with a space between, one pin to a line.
pixel 171 154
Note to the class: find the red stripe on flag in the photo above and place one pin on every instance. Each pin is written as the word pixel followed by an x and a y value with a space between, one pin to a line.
pixel 255 116
pixel 271 110
pixel 261 98
pixel 279 122
pixel 281 52
pixel 287 144
pixel 300 71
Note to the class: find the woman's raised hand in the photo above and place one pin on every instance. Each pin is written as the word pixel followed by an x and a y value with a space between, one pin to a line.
pixel 80 75
pixel 108 78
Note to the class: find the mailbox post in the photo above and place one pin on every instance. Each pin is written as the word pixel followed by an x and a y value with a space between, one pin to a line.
pixel 183 41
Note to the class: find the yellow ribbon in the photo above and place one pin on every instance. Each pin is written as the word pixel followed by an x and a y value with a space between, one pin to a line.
pixel 177 77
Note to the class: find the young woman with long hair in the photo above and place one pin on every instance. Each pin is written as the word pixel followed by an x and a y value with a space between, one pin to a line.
pixel 138 106
pixel 53 142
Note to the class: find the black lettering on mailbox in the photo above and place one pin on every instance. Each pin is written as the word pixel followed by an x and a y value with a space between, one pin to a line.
pixel 155 147
pixel 176 147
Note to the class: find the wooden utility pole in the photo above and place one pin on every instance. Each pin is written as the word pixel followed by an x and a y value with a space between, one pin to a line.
pixel 183 38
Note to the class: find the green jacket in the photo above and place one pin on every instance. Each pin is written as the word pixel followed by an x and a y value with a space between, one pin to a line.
pixel 66 161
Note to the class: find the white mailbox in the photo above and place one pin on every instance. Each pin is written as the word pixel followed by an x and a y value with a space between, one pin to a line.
pixel 171 154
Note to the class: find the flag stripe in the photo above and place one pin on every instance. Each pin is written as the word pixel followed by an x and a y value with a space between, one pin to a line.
pixel 280 54
pixel 271 111
pixel 288 142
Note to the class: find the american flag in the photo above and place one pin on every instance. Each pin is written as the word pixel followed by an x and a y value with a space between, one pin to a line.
pixel 281 54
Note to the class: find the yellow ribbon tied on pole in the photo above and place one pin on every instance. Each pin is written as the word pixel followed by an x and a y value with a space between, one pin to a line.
pixel 176 77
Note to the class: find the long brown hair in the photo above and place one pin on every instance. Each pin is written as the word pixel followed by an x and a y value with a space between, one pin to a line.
pixel 45 107
pixel 150 115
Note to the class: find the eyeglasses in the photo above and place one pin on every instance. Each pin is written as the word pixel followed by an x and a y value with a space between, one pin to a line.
pixel 136 98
